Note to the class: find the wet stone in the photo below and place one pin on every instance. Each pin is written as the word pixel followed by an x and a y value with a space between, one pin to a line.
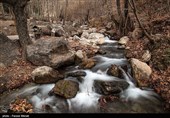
pixel 76 74
pixel 110 88
pixel 66 88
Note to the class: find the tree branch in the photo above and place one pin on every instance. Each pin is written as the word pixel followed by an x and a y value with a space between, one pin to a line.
pixel 140 24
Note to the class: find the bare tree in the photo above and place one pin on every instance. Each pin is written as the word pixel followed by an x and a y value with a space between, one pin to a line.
pixel 123 22
pixel 18 8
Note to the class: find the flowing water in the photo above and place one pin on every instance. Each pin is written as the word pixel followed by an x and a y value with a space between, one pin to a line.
pixel 86 100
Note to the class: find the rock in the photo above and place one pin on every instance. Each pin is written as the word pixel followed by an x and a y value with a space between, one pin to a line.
pixel 137 33
pixel 43 30
pixel 9 50
pixel 76 38
pixel 146 56
pixel 66 88
pixel 79 56
pixel 102 31
pixel 110 87
pixel 69 30
pixel 109 26
pixel 114 71
pixel 127 48
pixel 88 63
pixel 84 27
pixel 121 47
pixel 58 31
pixel 112 33
pixel 53 52
pixel 101 41
pixel 45 75
pixel 79 31
pixel 95 36
pixel 2 65
pixel 14 62
pixel 85 35
pixel 141 72
pixel 101 51
pixel 123 40
pixel 92 30
pixel 76 74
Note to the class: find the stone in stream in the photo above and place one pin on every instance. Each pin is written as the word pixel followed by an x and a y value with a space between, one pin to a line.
pixel 66 88
pixel 114 71
pixel 53 52
pixel 76 74
pixel 110 87
pixel 101 51
pixel 141 72
pixel 45 75
pixel 88 63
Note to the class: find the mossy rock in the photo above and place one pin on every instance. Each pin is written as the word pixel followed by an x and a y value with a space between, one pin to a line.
pixel 66 88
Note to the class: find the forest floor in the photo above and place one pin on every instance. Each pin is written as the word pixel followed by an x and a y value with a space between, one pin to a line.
pixel 159 63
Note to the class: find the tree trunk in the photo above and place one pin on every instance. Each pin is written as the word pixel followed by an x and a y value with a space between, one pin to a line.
pixel 121 20
pixel 118 7
pixel 65 12
pixel 18 7
pixel 21 26
pixel 126 6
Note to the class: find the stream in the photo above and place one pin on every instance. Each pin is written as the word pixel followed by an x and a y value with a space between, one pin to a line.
pixel 137 100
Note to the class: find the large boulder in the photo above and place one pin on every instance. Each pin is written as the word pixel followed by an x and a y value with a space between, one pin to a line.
pixel 110 87
pixel 66 88
pixel 9 50
pixel 141 72
pixel 45 75
pixel 53 52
